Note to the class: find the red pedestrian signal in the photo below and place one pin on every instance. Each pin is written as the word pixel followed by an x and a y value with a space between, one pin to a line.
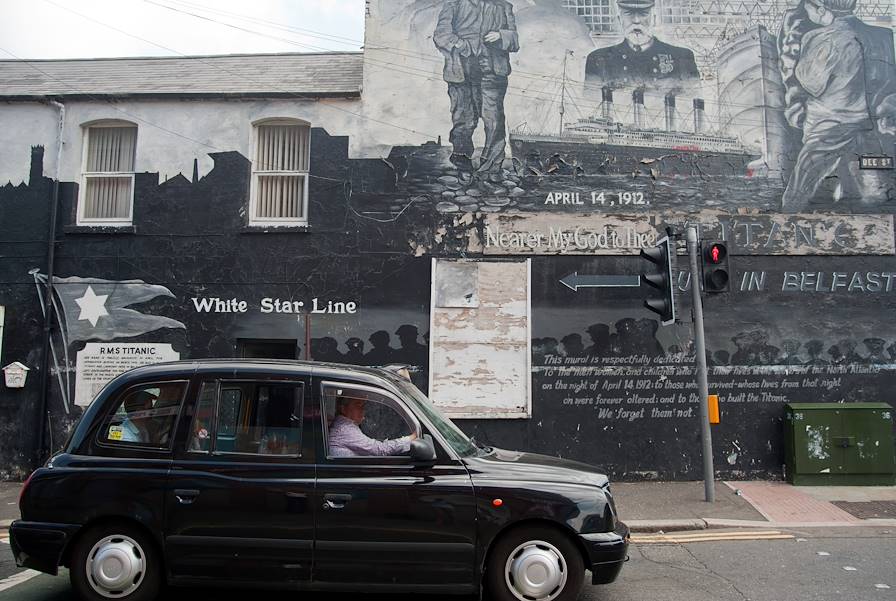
pixel 715 267
pixel 717 253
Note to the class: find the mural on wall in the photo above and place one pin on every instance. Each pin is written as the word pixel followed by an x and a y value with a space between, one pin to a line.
pixel 381 349
pixel 641 58
pixel 97 309
pixel 476 39
pixel 686 104
pixel 840 86
pixel 616 389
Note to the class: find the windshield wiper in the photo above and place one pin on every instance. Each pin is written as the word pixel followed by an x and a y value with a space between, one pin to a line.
pixel 481 447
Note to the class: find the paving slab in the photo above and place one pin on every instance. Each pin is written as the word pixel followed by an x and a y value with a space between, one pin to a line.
pixel 867 510
pixel 679 501
pixel 853 494
pixel 782 503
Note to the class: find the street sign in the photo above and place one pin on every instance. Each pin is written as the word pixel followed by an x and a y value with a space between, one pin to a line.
pixel 574 281
pixel 876 162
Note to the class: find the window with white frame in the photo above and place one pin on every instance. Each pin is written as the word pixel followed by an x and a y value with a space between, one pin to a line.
pixel 280 173
pixel 107 174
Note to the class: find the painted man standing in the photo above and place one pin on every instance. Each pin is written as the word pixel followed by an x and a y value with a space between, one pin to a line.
pixel 476 38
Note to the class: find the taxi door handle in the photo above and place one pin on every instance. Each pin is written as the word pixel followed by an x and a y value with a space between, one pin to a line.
pixel 186 496
pixel 334 501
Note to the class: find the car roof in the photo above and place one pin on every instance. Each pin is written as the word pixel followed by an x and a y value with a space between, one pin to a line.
pixel 189 367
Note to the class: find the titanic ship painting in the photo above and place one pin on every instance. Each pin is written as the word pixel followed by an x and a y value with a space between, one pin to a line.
pixel 600 144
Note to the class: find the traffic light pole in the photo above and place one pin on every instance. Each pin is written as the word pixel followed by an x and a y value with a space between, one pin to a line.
pixel 702 381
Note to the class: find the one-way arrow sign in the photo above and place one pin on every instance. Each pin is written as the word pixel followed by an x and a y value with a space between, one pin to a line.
pixel 574 281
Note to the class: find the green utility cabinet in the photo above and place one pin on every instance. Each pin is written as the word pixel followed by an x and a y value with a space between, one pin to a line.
pixel 839 443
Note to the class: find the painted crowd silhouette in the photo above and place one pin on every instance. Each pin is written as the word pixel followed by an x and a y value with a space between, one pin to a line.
pixel 630 336
pixel 626 337
pixel 380 350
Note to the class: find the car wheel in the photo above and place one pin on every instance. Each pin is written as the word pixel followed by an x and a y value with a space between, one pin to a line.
pixel 535 563
pixel 115 561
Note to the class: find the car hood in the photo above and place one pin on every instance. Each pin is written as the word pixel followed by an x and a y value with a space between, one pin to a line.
pixel 501 464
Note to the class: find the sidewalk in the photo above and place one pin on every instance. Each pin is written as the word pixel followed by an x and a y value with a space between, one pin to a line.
pixel 670 506
pixel 673 506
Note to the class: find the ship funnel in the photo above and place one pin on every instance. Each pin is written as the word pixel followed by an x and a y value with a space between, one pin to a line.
pixel 638 108
pixel 699 116
pixel 670 112
pixel 606 107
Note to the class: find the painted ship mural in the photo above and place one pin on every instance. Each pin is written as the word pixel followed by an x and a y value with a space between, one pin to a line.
pixel 601 144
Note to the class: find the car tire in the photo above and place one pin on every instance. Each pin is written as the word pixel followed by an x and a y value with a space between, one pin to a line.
pixel 115 561
pixel 535 563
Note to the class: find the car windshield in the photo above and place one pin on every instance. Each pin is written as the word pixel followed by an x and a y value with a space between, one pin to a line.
pixel 452 434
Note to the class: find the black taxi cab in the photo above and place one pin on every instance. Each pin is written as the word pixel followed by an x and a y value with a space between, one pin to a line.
pixel 305 476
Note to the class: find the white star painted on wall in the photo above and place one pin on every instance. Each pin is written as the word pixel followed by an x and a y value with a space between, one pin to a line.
pixel 93 306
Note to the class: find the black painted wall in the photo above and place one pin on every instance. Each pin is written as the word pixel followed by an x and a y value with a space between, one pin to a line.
pixel 624 399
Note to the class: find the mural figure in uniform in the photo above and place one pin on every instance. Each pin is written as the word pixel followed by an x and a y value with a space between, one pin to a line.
pixel 355 354
pixel 875 348
pixel 572 345
pixel 600 340
pixel 411 351
pixel 640 57
pixel 791 352
pixel 720 358
pixel 814 348
pixel 549 346
pixel 647 342
pixel 753 349
pixel 848 347
pixel 841 92
pixel 837 356
pixel 381 353
pixel 476 38
pixel 623 342
pixel 325 349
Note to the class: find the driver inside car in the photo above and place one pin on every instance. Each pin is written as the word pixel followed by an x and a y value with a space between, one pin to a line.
pixel 347 440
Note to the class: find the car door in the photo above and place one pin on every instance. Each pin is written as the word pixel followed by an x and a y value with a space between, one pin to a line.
pixel 383 521
pixel 121 470
pixel 237 503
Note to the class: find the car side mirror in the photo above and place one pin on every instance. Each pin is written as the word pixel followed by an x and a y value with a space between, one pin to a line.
pixel 423 450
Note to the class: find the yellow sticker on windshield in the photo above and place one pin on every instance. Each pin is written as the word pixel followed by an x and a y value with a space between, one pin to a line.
pixel 115 432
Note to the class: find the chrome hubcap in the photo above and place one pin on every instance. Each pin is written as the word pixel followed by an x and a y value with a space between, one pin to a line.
pixel 116 566
pixel 535 570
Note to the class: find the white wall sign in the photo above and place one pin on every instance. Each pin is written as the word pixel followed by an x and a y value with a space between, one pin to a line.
pixel 99 363
pixel 480 356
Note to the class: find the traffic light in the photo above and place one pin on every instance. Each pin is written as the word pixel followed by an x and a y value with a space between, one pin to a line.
pixel 660 277
pixel 715 266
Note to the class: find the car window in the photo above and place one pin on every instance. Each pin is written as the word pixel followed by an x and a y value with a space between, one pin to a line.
pixel 203 418
pixel 453 435
pixel 361 422
pixel 257 418
pixel 145 415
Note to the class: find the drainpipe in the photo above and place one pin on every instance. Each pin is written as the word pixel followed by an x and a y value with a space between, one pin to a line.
pixel 42 450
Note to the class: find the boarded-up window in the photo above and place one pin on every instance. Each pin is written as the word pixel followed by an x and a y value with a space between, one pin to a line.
pixel 480 339
pixel 280 173
pixel 107 179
